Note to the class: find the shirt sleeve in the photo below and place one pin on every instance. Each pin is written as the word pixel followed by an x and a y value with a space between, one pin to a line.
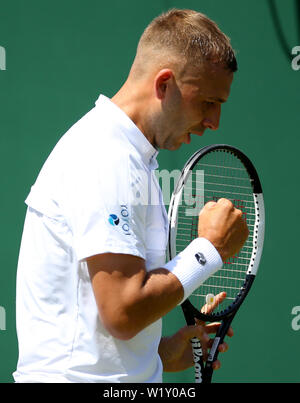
pixel 109 212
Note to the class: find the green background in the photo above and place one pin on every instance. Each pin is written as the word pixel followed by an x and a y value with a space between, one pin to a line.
pixel 61 54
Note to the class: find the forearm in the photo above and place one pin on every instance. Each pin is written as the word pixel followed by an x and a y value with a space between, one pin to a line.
pixel 162 289
pixel 128 297
pixel 158 293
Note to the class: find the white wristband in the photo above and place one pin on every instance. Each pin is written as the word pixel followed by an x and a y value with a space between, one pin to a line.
pixel 195 264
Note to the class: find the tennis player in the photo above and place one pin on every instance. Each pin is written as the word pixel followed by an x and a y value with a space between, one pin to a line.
pixel 93 282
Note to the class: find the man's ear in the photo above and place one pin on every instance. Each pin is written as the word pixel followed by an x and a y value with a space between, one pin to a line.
pixel 162 79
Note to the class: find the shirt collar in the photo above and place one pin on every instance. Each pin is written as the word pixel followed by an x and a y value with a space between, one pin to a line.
pixel 132 132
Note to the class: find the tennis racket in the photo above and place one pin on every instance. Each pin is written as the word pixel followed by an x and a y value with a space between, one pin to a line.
pixel 213 172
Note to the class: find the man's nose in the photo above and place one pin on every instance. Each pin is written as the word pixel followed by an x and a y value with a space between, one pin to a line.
pixel 213 120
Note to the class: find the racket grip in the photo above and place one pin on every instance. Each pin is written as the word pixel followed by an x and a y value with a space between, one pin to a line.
pixel 198 360
pixel 214 352
pixel 207 376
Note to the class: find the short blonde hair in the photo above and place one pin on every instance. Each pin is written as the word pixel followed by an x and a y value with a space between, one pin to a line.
pixel 189 35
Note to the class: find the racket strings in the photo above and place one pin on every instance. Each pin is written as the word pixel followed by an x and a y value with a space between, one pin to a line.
pixel 209 181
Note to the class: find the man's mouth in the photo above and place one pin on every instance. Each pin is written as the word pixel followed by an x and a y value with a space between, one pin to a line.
pixel 187 137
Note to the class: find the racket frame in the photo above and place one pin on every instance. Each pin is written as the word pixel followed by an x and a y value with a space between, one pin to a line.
pixel 204 373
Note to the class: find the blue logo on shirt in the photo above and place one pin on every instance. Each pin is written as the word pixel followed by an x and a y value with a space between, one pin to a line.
pixel 124 221
pixel 113 219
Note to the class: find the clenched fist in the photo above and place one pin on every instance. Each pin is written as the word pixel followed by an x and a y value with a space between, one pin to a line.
pixel 223 225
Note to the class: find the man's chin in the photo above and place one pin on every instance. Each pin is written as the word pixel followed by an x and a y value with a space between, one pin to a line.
pixel 173 146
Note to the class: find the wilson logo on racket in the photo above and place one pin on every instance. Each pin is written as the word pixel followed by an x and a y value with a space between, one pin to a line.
pixel 197 355
pixel 113 219
pixel 200 258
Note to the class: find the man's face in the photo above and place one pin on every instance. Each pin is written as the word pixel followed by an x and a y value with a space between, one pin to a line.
pixel 194 105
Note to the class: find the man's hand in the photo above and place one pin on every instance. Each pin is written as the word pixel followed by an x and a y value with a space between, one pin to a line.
pixel 212 328
pixel 224 226
pixel 176 351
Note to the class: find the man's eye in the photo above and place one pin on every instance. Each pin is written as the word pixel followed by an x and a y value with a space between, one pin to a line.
pixel 210 103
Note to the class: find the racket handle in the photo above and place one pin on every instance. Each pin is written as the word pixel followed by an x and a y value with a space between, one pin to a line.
pixel 213 355
pixel 198 360
pixel 207 376
pixel 214 352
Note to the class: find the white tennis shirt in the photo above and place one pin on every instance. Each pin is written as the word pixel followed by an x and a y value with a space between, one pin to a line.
pixel 91 196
